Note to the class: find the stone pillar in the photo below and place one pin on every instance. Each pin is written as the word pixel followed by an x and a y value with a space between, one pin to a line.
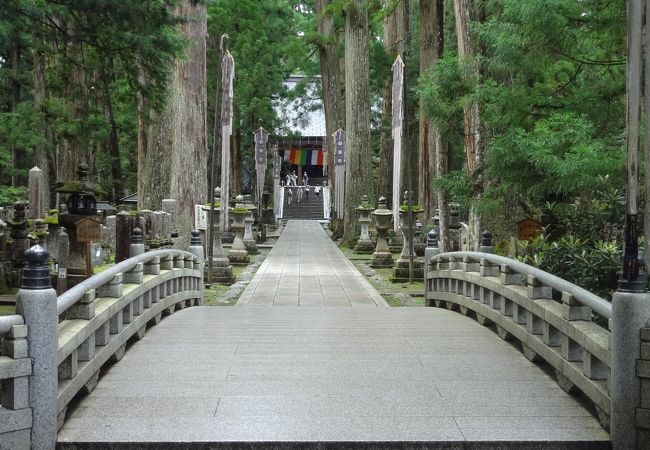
pixel 36 302
pixel 630 312
pixel 62 251
pixel 122 236
pixel 35 193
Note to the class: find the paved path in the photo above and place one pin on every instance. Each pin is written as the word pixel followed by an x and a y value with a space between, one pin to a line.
pixel 325 373
pixel 305 268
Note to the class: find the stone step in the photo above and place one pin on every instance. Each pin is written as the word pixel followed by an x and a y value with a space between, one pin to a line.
pixel 340 445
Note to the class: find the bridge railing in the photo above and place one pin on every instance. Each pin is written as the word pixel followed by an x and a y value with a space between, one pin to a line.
pixel 55 347
pixel 520 301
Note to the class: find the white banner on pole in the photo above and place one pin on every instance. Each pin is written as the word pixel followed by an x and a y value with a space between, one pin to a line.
pixel 339 172
pixel 398 116
pixel 227 78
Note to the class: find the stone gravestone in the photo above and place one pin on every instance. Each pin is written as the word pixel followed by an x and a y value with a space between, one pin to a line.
pixel 123 227
pixel 108 233
pixel 36 193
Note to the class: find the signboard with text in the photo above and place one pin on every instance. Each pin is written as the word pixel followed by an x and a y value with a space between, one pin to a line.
pixel 528 229
pixel 88 230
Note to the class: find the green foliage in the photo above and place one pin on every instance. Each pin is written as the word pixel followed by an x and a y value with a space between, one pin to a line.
pixel 551 96
pixel 266 44
pixel 590 265
pixel 560 157
pixel 98 56
pixel 9 194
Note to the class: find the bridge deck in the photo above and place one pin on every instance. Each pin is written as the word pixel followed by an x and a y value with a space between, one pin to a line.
pixel 324 373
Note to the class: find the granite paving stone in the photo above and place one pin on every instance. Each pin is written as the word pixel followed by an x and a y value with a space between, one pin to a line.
pixel 311 352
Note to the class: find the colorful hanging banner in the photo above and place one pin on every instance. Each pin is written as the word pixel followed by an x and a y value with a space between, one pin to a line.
pixel 303 157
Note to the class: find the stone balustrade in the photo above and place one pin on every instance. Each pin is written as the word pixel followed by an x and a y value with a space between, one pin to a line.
pixel 96 319
pixel 550 317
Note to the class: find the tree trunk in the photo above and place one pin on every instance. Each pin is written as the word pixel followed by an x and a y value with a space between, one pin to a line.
pixel 14 99
pixel 467 12
pixel 357 115
pixel 176 164
pixel 430 142
pixel 395 40
pixel 112 142
pixel 332 79
pixel 235 159
pixel 41 155
pixel 143 145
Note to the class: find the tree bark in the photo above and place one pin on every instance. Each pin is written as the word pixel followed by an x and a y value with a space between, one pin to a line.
pixel 332 79
pixel 113 142
pixel 395 40
pixel 143 144
pixel 357 115
pixel 41 155
pixel 236 180
pixel 430 143
pixel 466 13
pixel 14 98
pixel 176 165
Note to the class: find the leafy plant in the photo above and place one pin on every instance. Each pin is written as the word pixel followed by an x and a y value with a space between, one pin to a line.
pixel 590 265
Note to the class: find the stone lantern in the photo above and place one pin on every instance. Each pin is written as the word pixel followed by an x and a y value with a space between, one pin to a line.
pixel 238 253
pixel 18 242
pixel 221 267
pixel 249 238
pixel 382 256
pixel 79 220
pixel 408 219
pixel 364 244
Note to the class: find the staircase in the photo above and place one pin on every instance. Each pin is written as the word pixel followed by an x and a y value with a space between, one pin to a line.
pixel 309 208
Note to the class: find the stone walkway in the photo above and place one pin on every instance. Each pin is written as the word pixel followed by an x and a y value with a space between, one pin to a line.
pixel 305 268
pixel 325 373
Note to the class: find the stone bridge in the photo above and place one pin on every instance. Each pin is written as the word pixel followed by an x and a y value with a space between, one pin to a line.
pixel 312 357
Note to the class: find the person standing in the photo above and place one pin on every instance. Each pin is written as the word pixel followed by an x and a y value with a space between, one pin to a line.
pixel 317 191
pixel 289 196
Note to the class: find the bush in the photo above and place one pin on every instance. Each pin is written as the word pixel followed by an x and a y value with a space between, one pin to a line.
pixel 591 265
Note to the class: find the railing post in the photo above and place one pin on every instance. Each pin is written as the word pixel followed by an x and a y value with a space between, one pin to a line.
pixel 36 302
pixel 137 243
pixel 197 249
pixel 432 249
pixel 630 312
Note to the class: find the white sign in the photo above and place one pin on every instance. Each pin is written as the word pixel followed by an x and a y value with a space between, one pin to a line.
pixel 200 218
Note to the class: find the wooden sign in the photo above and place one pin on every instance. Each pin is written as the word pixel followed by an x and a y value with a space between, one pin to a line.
pixel 528 229
pixel 88 230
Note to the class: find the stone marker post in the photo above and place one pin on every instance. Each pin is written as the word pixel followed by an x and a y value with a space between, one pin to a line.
pixel 35 193
pixel 36 302
pixel 63 250
pixel 122 236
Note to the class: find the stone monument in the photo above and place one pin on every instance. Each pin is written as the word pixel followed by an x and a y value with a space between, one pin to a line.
pixel 382 257
pixel 221 267
pixel 364 244
pixel 238 254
